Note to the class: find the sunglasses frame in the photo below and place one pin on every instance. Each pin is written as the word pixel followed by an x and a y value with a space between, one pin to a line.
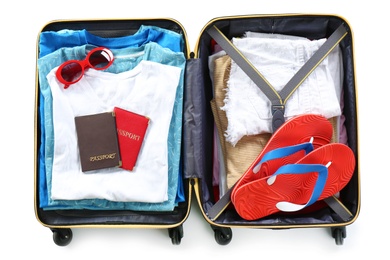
pixel 84 64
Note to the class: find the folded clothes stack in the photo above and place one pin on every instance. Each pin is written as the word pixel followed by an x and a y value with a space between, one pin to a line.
pixel 146 68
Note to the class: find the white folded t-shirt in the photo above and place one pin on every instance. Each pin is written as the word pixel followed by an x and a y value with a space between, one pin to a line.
pixel 149 89
pixel 278 58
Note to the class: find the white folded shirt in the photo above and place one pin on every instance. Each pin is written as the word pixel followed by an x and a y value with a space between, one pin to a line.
pixel 278 58
pixel 149 89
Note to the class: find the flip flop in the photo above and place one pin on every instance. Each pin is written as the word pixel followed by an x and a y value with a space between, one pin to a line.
pixel 295 131
pixel 320 174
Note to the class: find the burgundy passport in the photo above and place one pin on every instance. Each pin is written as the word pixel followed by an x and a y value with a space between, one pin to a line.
pixel 97 141
pixel 131 129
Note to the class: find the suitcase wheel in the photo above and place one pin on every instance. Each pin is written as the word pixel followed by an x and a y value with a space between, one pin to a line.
pixel 339 233
pixel 176 234
pixel 62 236
pixel 223 235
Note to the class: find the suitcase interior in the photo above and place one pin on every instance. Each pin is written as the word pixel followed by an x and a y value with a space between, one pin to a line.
pixel 313 27
pixel 60 221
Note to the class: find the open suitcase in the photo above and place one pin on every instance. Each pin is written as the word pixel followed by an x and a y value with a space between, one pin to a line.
pixel 198 132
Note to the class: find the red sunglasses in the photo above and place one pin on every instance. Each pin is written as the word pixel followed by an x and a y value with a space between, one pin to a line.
pixel 72 71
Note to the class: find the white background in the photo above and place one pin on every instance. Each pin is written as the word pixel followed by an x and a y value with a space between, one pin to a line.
pixel 23 236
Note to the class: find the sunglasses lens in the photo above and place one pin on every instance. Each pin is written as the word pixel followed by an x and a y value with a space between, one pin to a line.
pixel 100 59
pixel 71 72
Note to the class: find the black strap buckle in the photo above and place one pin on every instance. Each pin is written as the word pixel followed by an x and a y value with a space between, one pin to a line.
pixel 277 116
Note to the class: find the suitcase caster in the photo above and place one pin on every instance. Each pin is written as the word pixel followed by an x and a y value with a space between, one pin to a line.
pixel 222 235
pixel 62 236
pixel 176 234
pixel 339 233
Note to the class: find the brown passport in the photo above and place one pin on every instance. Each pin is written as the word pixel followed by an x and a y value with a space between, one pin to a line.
pixel 97 141
pixel 131 128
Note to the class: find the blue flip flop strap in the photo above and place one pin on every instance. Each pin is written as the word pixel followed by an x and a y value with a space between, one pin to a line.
pixel 286 151
pixel 303 169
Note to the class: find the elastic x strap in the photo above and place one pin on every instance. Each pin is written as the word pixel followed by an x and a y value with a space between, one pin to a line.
pixel 278 99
